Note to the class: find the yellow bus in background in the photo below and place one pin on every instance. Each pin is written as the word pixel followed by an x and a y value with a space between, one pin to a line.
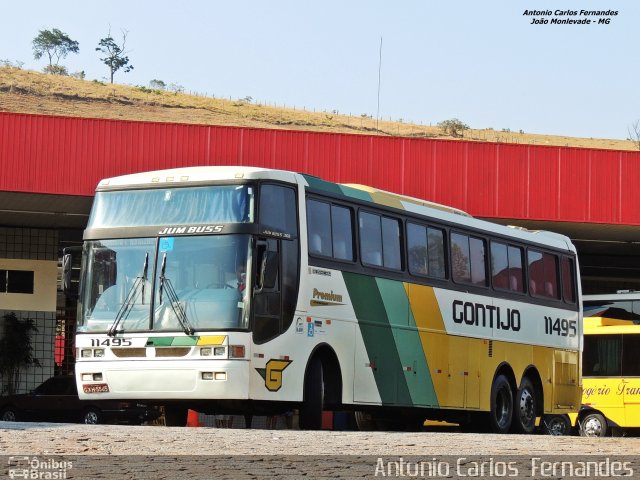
pixel 610 365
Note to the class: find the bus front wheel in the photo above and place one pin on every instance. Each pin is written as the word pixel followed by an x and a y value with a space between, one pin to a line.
pixel 313 404
pixel 501 413
pixel 593 425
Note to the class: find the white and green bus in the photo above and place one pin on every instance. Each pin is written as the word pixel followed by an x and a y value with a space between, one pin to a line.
pixel 255 291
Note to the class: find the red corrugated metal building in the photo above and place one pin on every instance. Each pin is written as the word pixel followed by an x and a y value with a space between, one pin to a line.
pixel 67 156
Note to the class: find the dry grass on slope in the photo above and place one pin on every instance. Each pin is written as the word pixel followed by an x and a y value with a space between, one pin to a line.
pixel 25 91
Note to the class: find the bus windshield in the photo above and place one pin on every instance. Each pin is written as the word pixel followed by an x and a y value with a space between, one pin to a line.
pixel 188 284
pixel 173 206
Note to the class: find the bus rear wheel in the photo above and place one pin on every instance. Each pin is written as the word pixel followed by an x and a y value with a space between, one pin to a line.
pixel 313 404
pixel 501 414
pixel 593 425
pixel 525 407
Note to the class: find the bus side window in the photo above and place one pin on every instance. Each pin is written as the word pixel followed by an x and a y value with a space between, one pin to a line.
pixel 543 274
pixel 568 280
pixel 602 355
pixel 468 259
pixel 631 355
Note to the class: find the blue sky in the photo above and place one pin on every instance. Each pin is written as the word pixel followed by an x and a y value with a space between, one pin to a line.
pixel 479 61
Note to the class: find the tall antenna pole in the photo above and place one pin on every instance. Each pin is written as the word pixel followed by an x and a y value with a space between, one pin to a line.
pixel 379 70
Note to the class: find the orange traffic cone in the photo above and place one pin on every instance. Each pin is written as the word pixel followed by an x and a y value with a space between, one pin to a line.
pixel 192 419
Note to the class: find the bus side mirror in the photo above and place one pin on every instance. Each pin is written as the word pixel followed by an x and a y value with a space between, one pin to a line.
pixel 69 287
pixel 267 269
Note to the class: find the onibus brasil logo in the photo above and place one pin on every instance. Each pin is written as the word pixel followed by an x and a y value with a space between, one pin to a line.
pixel 38 468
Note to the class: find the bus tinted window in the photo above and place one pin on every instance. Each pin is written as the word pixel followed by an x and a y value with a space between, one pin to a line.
pixel 631 355
pixel 426 250
pixel 342 231
pixel 391 243
pixel 602 355
pixel 370 239
pixel 319 228
pixel 380 241
pixel 516 269
pixel 468 259
pixel 499 266
pixel 278 208
pixel 568 281
pixel 418 246
pixel 330 230
pixel 506 267
pixel 436 253
pixel 543 274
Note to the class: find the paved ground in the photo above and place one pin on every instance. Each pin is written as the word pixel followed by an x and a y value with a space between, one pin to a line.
pixel 277 453
pixel 47 438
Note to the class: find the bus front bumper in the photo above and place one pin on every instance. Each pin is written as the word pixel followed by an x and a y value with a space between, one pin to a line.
pixel 199 379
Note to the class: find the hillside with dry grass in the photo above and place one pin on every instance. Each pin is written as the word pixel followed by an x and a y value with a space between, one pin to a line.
pixel 25 91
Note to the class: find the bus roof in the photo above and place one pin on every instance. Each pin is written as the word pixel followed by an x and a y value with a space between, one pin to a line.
pixel 185 175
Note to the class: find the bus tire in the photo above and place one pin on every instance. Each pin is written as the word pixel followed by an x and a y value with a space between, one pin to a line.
pixel 175 416
pixel 593 425
pixel 525 407
pixel 313 404
pixel 501 414
pixel 365 421
pixel 556 425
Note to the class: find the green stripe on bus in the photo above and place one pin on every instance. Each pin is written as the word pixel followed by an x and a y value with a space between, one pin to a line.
pixel 336 189
pixel 184 341
pixel 318 184
pixel 171 341
pixel 412 356
pixel 159 341
pixel 378 338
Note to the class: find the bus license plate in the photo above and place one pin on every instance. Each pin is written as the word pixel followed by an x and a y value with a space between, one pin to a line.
pixel 96 388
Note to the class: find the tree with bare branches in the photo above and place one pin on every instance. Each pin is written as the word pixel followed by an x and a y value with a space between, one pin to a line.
pixel 115 55
pixel 634 133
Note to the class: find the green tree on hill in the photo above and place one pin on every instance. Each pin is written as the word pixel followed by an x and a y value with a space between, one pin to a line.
pixel 453 127
pixel 115 56
pixel 55 44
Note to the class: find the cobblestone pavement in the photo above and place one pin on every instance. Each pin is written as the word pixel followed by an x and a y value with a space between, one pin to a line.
pixel 49 438
pixel 126 451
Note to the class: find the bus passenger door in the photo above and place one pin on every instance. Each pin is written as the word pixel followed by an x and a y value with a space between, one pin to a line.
pixel 266 300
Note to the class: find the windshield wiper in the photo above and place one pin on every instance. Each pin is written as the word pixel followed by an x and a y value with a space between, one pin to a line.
pixel 130 300
pixel 174 301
